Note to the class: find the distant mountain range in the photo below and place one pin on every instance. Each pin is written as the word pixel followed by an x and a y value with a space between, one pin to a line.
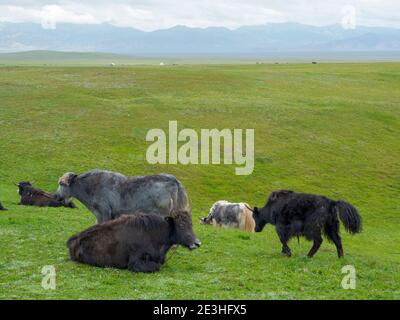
pixel 285 37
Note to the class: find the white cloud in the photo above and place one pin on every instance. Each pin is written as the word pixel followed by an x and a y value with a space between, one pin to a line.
pixel 349 19
pixel 156 14
pixel 48 16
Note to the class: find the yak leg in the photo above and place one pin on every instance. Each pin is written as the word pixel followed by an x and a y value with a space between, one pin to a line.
pixel 282 233
pixel 334 236
pixel 71 205
pixel 142 263
pixel 338 243
pixel 100 218
pixel 285 248
pixel 332 232
pixel 142 266
pixel 101 213
pixel 316 245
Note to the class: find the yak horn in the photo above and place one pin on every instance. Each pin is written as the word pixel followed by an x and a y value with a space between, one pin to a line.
pixel 171 206
pixel 190 205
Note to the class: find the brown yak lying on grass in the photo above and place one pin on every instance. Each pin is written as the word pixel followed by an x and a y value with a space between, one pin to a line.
pixel 31 196
pixel 138 242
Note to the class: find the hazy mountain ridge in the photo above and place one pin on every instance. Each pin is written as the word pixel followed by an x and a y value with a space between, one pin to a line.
pixel 184 40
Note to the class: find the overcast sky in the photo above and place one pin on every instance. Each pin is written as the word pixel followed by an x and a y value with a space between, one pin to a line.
pixel 157 14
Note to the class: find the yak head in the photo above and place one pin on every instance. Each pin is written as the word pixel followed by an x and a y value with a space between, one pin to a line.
pixel 261 217
pixel 64 186
pixel 22 186
pixel 258 219
pixel 268 212
pixel 183 233
pixel 207 220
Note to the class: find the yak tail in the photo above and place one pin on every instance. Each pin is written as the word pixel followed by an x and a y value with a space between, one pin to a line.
pixel 350 217
pixel 247 222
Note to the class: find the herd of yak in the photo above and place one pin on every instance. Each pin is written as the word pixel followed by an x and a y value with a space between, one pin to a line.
pixel 140 218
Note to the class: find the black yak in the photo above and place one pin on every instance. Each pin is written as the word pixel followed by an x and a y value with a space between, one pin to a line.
pixel 2 208
pixel 300 214
pixel 109 194
pixel 136 242
pixel 230 215
pixel 31 196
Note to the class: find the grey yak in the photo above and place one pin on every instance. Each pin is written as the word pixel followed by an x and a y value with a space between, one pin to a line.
pixel 301 214
pixel 137 242
pixel 109 195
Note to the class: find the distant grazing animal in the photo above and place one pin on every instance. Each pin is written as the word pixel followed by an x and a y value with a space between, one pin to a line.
pixel 300 214
pixel 137 242
pixel 31 196
pixel 109 194
pixel 2 208
pixel 230 215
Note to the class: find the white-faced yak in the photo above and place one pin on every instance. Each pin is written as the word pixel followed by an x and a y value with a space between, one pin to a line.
pixel 230 215
pixel 31 196
pixel 110 194
pixel 136 242
pixel 299 214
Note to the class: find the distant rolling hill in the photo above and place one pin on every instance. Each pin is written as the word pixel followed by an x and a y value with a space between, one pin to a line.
pixel 181 40
pixel 365 42
pixel 45 55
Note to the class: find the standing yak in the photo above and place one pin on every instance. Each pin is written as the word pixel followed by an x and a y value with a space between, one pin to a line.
pixel 230 215
pixel 300 214
pixel 110 194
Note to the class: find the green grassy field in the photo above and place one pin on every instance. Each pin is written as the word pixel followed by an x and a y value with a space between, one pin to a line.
pixel 60 58
pixel 331 129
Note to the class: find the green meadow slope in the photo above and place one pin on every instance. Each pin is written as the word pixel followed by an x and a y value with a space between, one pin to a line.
pixel 84 59
pixel 331 129
pixel 51 58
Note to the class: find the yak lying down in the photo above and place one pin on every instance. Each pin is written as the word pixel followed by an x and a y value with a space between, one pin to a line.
pixel 31 196
pixel 137 242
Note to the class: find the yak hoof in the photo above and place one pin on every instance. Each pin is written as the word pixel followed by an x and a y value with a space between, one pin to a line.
pixel 287 253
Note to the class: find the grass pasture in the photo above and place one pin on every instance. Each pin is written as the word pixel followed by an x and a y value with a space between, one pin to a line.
pixel 331 129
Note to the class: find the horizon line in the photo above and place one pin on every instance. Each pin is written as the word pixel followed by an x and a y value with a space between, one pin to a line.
pixel 109 23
